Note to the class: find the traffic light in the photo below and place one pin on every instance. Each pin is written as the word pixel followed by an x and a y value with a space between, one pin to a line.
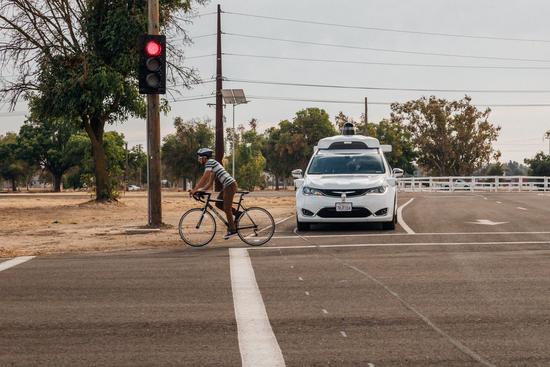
pixel 152 64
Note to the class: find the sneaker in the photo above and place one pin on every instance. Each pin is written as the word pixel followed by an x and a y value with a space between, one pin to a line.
pixel 229 234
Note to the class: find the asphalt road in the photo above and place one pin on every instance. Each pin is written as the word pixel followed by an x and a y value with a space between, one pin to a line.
pixel 463 281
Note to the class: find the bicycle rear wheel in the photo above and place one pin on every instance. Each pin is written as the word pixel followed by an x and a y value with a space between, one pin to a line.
pixel 195 229
pixel 255 226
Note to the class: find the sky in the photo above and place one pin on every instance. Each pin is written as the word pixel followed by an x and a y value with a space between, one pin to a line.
pixel 523 128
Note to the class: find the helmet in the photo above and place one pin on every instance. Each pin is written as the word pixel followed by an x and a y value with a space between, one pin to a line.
pixel 205 152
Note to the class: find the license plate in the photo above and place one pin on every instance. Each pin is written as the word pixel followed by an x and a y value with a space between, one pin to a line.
pixel 343 207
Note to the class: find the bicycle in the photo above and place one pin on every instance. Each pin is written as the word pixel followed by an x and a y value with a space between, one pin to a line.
pixel 197 227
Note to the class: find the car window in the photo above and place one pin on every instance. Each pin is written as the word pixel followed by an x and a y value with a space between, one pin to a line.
pixel 346 164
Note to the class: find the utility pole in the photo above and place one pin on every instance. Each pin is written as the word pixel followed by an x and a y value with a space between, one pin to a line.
pixel 219 100
pixel 153 135
pixel 366 112
pixel 126 168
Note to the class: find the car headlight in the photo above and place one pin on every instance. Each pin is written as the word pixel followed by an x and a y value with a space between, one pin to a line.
pixel 377 190
pixel 311 191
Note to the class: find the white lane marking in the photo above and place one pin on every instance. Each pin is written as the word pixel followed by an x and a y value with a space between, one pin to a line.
pixel 14 262
pixel 344 334
pixel 487 222
pixel 499 202
pixel 405 244
pixel 407 305
pixel 300 278
pixel 520 208
pixel 292 266
pixel 285 219
pixel 324 311
pixel 307 293
pixel 400 217
pixel 257 342
pixel 268 227
pixel 416 234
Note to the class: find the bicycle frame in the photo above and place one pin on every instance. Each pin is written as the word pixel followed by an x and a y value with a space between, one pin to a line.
pixel 216 211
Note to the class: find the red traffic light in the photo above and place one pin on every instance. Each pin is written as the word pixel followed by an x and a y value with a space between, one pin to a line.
pixel 153 48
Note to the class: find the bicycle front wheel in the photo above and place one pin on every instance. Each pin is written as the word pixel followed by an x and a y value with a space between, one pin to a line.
pixel 255 226
pixel 197 229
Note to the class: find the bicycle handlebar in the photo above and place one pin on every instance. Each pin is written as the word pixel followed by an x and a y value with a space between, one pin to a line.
pixel 199 195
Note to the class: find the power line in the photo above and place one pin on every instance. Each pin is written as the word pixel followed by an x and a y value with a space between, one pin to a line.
pixel 201 56
pixel 14 113
pixel 268 82
pixel 304 21
pixel 388 63
pixel 291 99
pixel 384 49
pixel 196 98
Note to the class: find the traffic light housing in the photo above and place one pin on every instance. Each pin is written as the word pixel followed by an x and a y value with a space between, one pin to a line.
pixel 152 64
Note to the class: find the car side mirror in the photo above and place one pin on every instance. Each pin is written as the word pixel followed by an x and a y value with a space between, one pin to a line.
pixel 398 172
pixel 297 174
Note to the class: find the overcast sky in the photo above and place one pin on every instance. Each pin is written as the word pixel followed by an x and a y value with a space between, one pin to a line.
pixel 522 128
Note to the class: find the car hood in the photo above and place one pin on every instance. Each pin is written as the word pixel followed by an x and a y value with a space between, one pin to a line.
pixel 343 181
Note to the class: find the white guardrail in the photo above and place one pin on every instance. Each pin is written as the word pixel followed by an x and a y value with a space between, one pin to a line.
pixel 475 183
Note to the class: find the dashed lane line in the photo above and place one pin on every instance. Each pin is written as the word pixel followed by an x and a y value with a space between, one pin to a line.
pixel 257 342
pixel 463 348
pixel 521 208
pixel 344 334
pixel 14 262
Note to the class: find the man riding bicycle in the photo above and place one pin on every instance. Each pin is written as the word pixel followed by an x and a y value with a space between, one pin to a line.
pixel 213 170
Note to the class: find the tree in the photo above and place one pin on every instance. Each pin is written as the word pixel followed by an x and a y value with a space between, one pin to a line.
pixel 249 161
pixel 83 176
pixel 12 168
pixel 539 165
pixel 137 163
pixel 275 165
pixel 77 60
pixel 513 168
pixel 395 134
pixel 495 169
pixel 451 138
pixel 46 143
pixel 179 150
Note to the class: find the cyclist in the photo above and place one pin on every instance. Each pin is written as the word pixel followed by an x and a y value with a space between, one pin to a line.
pixel 213 170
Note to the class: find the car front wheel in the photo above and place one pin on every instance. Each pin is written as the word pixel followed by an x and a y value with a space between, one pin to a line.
pixel 301 226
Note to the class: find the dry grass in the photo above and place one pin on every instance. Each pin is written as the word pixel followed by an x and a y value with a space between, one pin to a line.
pixel 39 224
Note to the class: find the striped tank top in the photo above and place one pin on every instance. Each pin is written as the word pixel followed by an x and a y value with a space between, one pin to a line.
pixel 219 172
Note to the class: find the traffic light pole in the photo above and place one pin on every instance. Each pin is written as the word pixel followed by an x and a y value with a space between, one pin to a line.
pixel 153 135
pixel 219 101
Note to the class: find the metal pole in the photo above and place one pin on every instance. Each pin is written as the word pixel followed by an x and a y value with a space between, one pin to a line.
pixel 126 177
pixel 219 101
pixel 366 111
pixel 233 153
pixel 153 134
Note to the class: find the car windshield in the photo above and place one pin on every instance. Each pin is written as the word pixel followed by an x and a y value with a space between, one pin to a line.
pixel 346 164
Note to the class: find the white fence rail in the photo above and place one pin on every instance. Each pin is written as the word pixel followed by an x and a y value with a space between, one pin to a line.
pixel 475 183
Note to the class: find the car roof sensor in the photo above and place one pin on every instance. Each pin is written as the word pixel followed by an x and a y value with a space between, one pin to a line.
pixel 348 129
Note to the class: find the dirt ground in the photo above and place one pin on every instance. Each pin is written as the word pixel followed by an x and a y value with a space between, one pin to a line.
pixel 38 224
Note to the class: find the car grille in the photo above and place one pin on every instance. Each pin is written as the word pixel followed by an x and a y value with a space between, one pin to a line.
pixel 349 193
pixel 354 213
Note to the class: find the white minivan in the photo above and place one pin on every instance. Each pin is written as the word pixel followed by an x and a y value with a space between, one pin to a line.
pixel 348 179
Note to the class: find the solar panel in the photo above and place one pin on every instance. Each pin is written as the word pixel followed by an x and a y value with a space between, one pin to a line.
pixel 233 96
